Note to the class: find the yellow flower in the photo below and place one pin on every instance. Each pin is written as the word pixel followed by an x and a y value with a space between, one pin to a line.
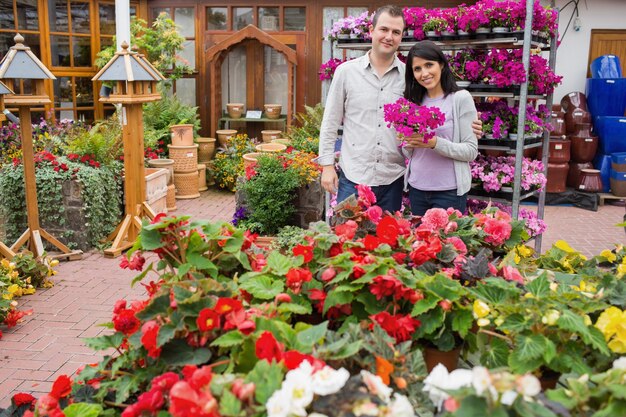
pixel 524 251
pixel 564 246
pixel 54 263
pixel 480 309
pixel 609 255
pixel 551 317
pixel 612 324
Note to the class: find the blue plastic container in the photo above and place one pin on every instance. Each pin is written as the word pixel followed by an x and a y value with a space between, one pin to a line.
pixel 603 163
pixel 612 133
pixel 606 66
pixel 606 97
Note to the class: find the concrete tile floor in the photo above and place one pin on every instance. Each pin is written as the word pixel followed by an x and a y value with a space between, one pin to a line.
pixel 49 343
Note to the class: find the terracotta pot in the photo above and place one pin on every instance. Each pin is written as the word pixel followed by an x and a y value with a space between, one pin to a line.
pixel 576 116
pixel 202 178
pixel 206 149
pixel 557 177
pixel 270 147
pixel 182 135
pixel 270 135
pixel 558 126
pixel 224 134
pixel 584 148
pixel 164 163
pixel 582 129
pixel 573 100
pixel 549 379
pixel 235 110
pixel 272 111
pixel 573 175
pixel 249 159
pixel 590 181
pixel 434 356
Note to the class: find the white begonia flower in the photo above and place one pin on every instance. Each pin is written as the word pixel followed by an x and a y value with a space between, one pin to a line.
pixel 528 385
pixel 481 380
pixel 317 415
pixel 300 391
pixel 400 407
pixel 303 371
pixel 620 363
pixel 367 408
pixel 508 397
pixel 278 404
pixel 376 386
pixel 440 380
pixel 329 381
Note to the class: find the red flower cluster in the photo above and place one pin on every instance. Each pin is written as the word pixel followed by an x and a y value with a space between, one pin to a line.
pixel 14 316
pixel 305 250
pixel 333 312
pixel 235 317
pixel 296 277
pixel 269 349
pixel 48 404
pixel 135 263
pixel 398 326
pixel 124 319
pixel 388 285
pixel 45 157
pixel 425 250
pixel 87 159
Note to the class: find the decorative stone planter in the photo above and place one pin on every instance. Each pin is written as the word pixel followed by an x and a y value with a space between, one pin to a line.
pixel 185 158
pixel 182 135
pixel 206 149
pixel 187 185
pixel 156 188
pixel 224 134
pixel 167 164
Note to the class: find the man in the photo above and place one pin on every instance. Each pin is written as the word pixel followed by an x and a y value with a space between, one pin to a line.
pixel 360 88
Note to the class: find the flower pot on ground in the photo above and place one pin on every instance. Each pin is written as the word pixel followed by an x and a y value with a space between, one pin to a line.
pixel 168 164
pixel 185 157
pixel 434 357
pixel 250 159
pixel 235 110
pixel 186 184
pixel 206 149
pixel 270 147
pixel 272 111
pixel 202 185
pixel 224 134
pixel 182 135
pixel 269 135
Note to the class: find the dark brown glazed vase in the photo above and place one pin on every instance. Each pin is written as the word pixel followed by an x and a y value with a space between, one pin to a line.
pixel 574 117
pixel 583 148
pixel 573 175
pixel 590 181
pixel 557 177
pixel 573 100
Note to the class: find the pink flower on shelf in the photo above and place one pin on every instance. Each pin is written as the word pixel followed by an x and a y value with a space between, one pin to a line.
pixel 408 118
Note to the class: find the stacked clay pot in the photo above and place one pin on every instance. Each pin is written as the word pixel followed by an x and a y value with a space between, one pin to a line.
pixel 584 143
pixel 185 156
pixel 558 154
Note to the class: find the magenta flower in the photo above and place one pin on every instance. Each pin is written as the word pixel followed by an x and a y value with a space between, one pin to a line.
pixel 408 118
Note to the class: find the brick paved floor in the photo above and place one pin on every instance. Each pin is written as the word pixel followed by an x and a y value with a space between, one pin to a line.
pixel 49 343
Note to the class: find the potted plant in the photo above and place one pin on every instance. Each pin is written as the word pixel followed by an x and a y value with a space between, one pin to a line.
pixel 228 163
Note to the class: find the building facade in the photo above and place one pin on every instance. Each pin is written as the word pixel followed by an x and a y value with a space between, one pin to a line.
pixel 67 35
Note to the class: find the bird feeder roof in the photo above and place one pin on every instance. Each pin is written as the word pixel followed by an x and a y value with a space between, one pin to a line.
pixel 4 89
pixel 128 66
pixel 21 63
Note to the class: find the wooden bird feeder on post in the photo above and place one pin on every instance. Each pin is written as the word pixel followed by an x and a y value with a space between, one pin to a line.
pixel 135 82
pixel 24 73
pixel 5 251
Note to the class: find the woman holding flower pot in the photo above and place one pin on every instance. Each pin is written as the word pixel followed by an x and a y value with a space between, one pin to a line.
pixel 438 173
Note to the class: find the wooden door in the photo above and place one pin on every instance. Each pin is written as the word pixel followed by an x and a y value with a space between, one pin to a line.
pixel 607 42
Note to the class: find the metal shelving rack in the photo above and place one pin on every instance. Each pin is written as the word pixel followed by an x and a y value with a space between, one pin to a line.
pixel 526 42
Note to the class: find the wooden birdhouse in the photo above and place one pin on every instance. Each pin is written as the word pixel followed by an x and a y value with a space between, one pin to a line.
pixel 25 74
pixel 134 78
pixel 3 91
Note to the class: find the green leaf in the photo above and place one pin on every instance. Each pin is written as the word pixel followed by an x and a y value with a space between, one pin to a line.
pixel 307 338
pixel 348 350
pixel 179 353
pixel 613 409
pixel 158 306
pixel 472 406
pixel 112 341
pixel 294 308
pixel 549 351
pixel 124 386
pixel 497 355
pixel 279 263
pixel 263 287
pixel 230 406
pixel 446 288
pixel 82 410
pixel 425 304
pixel 462 321
pixel 229 339
pixel 530 347
pixel 202 263
pixel 141 276
pixel 539 287
pixel 166 333
pixel 150 238
pixel 334 298
pixel 560 396
pixel 431 321
pixel 267 378
pixel 515 323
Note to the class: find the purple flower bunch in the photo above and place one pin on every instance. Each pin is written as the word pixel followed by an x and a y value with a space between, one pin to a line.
pixel 542 80
pixel 503 69
pixel 534 225
pixel 415 18
pixel 470 18
pixel 496 117
pixel 468 64
pixel 436 20
pixel 358 25
pixel 408 118
pixel 327 69
pixel 493 173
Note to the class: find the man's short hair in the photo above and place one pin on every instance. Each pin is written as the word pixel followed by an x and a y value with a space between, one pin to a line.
pixel 391 10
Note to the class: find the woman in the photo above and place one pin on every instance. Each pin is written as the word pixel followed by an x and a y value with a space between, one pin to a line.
pixel 438 173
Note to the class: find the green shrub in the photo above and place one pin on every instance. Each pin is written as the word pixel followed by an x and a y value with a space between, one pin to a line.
pixel 305 135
